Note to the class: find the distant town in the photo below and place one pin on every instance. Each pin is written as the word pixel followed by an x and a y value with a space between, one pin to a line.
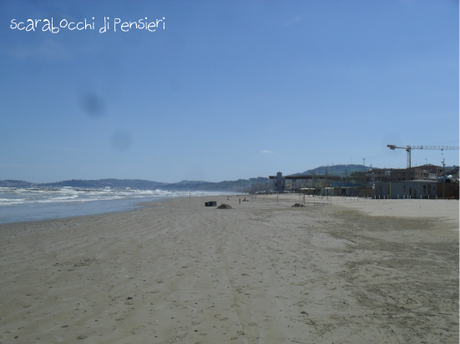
pixel 424 182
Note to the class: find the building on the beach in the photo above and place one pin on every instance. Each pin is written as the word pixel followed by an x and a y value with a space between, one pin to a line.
pixel 416 189
pixel 279 182
pixel 340 191
pixel 294 183
pixel 424 172
pixel 419 182
pixel 403 190
pixel 312 182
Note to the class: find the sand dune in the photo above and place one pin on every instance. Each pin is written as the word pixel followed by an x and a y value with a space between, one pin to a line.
pixel 261 272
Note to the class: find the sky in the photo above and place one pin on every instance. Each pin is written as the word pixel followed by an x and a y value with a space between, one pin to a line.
pixel 223 90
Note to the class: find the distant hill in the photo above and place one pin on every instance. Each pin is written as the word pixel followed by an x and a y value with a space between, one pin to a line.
pixel 336 170
pixel 16 183
pixel 240 185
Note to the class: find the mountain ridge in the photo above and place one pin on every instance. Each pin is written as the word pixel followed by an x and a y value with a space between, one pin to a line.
pixel 336 170
pixel 242 185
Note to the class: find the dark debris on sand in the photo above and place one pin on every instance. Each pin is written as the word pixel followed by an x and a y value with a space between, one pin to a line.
pixel 224 206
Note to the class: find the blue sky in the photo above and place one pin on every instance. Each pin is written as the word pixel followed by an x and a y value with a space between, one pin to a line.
pixel 225 89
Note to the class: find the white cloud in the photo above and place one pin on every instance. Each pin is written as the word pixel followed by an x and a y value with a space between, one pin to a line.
pixel 266 152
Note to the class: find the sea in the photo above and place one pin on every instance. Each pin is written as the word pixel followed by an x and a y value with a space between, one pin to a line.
pixel 36 204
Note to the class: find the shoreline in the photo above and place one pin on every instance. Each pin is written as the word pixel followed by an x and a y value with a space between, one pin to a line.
pixel 46 208
pixel 176 271
pixel 132 205
pixel 377 207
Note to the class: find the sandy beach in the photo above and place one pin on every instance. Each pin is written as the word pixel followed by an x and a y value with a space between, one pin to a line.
pixel 331 271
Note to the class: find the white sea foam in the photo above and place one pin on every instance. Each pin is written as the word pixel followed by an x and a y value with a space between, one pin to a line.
pixel 21 196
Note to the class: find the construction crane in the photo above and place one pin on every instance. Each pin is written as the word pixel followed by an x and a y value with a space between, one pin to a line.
pixel 409 149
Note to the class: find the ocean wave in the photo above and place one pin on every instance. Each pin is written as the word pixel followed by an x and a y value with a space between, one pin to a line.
pixel 18 196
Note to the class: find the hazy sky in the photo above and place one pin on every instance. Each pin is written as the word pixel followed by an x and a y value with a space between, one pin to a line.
pixel 222 90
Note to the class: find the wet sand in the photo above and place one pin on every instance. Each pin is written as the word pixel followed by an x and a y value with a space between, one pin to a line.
pixel 263 272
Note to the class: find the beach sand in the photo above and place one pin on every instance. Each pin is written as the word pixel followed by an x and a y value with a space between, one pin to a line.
pixel 345 271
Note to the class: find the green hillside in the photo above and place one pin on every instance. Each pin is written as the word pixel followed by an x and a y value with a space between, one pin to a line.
pixel 336 170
